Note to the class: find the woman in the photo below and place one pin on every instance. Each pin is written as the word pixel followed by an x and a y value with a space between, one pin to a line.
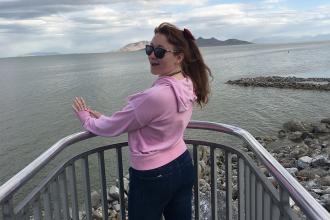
pixel 161 170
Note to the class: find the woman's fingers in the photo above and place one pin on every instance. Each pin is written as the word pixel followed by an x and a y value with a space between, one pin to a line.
pixel 74 108
pixel 83 103
pixel 79 104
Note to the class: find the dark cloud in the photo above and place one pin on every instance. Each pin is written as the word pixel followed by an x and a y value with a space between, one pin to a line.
pixel 25 9
pixel 19 29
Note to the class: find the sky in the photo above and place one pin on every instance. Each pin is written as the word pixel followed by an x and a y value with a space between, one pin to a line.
pixel 92 26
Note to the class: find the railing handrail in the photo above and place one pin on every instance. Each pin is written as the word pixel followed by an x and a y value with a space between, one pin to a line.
pixel 15 182
pixel 299 194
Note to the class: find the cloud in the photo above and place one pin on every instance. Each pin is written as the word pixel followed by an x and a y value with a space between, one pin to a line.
pixel 98 26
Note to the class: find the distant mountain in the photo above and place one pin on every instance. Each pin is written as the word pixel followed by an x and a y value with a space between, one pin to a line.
pixel 201 42
pixel 41 54
pixel 289 39
pixel 134 46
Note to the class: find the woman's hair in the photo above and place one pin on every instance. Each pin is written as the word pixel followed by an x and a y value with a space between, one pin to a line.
pixel 192 64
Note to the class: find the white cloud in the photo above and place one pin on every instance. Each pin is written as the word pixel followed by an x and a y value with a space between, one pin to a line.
pixel 105 27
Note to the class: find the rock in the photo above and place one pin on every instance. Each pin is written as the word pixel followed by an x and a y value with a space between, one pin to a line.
pixel 281 134
pixel 325 200
pixel 202 167
pixel 306 135
pixel 117 207
pixel 320 128
pixel 264 170
pixel 126 185
pixel 97 214
pixel 320 160
pixel 95 199
pixel 305 175
pixel 295 125
pixel 292 171
pixel 114 192
pixel 324 181
pixel 317 191
pixel 325 120
pixel 82 215
pixel 326 191
pixel 310 184
pixel 313 143
pixel 304 162
pixel 295 136
pixel 299 151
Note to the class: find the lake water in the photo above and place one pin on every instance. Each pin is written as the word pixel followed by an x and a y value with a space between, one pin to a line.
pixel 36 93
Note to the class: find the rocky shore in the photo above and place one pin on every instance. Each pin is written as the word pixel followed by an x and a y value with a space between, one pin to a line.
pixel 322 84
pixel 303 148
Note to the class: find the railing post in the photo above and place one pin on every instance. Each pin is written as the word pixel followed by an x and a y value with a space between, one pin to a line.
pixel 229 187
pixel 284 203
pixel 241 190
pixel 103 185
pixel 247 176
pixel 46 201
pixel 196 185
pixel 86 187
pixel 36 208
pixel 259 201
pixel 73 191
pixel 64 194
pixel 121 184
pixel 214 200
pixel 7 209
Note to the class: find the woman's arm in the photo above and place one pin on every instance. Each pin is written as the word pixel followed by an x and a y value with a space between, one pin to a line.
pixel 99 124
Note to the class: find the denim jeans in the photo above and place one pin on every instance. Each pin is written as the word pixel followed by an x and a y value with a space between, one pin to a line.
pixel 165 190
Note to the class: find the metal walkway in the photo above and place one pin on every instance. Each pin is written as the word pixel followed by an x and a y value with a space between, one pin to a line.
pixel 257 198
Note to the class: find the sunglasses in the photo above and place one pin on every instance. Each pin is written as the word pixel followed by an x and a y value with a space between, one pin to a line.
pixel 158 51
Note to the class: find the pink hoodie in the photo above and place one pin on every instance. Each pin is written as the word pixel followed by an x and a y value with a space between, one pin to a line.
pixel 155 120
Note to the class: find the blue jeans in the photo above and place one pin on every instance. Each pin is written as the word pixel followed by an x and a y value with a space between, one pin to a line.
pixel 165 190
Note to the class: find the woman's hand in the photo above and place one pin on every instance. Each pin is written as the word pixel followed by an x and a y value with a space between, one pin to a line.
pixel 95 114
pixel 79 104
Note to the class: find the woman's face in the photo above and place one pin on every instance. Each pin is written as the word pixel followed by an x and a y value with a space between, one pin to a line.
pixel 169 63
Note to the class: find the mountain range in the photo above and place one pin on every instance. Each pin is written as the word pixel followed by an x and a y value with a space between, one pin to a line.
pixel 201 42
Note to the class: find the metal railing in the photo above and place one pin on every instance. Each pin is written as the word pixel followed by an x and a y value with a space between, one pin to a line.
pixel 56 196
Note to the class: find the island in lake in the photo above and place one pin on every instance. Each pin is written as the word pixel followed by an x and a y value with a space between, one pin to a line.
pixel 284 82
pixel 201 42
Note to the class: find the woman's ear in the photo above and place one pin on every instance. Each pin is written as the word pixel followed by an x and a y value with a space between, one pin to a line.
pixel 180 57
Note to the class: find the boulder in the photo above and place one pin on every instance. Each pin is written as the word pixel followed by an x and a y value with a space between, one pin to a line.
pixel 95 199
pixel 295 125
pixel 324 181
pixel 114 192
pixel 320 128
pixel 320 160
pixel 325 201
pixel 325 120
pixel 292 171
pixel 304 162
pixel 295 136
pixel 281 134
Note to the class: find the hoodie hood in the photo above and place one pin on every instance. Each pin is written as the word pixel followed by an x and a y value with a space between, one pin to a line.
pixel 183 91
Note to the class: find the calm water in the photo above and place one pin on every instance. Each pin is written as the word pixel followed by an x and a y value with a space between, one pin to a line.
pixel 36 93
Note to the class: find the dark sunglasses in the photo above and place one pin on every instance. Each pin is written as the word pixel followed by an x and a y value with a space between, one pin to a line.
pixel 158 51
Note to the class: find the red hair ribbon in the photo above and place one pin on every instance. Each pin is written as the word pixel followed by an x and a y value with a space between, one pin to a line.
pixel 187 34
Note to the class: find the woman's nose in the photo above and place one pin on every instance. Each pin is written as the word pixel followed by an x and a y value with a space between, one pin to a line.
pixel 152 55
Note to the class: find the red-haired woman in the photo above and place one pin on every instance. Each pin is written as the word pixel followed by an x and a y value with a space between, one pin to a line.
pixel 161 169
